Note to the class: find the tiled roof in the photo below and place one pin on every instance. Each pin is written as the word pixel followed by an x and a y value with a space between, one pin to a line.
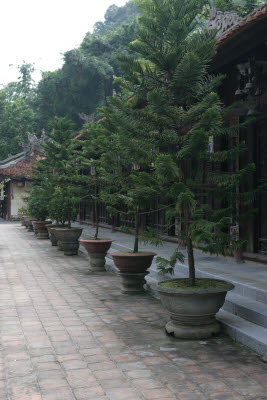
pixel 18 168
pixel 246 23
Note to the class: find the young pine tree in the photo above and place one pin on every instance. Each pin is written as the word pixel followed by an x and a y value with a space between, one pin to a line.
pixel 59 168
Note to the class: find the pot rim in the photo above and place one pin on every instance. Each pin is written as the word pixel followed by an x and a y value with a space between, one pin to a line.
pixel 161 289
pixel 96 240
pixel 144 254
pixel 69 229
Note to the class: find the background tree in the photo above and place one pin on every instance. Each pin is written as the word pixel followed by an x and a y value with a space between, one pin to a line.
pixel 17 115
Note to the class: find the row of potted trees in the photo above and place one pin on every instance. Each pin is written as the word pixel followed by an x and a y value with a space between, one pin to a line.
pixel 154 142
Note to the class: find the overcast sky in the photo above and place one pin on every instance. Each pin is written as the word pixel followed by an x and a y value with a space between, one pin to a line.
pixel 40 31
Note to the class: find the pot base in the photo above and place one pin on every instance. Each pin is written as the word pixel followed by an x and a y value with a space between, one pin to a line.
pixel 132 283
pixel 193 332
pixel 97 262
pixel 42 234
pixel 59 246
pixel 70 248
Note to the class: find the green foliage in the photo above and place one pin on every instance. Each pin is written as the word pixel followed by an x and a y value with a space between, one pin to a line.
pixel 241 7
pixel 86 77
pixel 151 236
pixel 59 169
pixel 23 211
pixel 17 116
pixel 167 266
pixel 58 207
pixel 38 202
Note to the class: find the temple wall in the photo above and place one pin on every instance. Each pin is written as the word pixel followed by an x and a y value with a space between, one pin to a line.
pixel 16 193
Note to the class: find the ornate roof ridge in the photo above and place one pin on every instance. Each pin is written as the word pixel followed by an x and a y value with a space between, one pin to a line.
pixel 258 14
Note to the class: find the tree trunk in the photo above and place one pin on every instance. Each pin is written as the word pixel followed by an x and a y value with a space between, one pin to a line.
pixel 136 233
pixel 191 262
pixel 96 215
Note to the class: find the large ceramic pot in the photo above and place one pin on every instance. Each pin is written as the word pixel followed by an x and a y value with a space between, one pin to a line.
pixel 22 219
pixel 238 256
pixel 133 270
pixel 193 310
pixel 28 223
pixel 40 229
pixel 69 238
pixel 97 250
pixel 52 237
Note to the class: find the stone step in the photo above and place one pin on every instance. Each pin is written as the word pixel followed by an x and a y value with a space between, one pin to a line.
pixel 248 309
pixel 245 332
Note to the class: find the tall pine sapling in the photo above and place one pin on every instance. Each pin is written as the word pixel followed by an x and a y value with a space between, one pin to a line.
pixel 95 142
pixel 59 167
pixel 131 186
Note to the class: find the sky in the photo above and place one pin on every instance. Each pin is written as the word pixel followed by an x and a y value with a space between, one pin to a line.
pixel 39 32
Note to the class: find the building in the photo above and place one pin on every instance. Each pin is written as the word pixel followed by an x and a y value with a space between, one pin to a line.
pixel 242 58
pixel 15 174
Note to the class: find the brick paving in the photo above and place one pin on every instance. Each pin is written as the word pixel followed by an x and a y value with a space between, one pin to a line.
pixel 69 335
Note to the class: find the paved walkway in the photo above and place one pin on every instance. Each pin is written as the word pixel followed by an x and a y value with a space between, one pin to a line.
pixel 67 334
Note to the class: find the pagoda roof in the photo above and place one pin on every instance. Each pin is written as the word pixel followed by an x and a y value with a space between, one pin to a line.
pixel 19 166
pixel 244 24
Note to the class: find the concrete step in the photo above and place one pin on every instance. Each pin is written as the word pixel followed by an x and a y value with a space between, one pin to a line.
pixel 248 309
pixel 241 331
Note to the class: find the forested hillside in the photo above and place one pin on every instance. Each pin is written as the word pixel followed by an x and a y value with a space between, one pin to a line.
pixel 85 80
pixel 75 90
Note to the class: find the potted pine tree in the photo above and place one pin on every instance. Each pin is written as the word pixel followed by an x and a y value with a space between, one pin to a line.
pixel 89 150
pixel 59 167
pixel 174 107
pixel 38 204
pixel 137 192
pixel 58 213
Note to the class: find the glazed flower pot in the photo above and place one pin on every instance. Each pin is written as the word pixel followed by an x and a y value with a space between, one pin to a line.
pixel 41 229
pixel 238 256
pixel 133 263
pixel 97 250
pixel 69 238
pixel 22 220
pixel 193 310
pixel 52 237
pixel 28 223
pixel 133 270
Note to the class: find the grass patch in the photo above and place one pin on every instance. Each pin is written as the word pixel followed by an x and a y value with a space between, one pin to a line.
pixel 185 284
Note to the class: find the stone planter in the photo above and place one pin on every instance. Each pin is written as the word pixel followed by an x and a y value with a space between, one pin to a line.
pixel 69 238
pixel 22 220
pixel 97 250
pixel 52 237
pixel 41 229
pixel 193 310
pixel 133 267
pixel 28 223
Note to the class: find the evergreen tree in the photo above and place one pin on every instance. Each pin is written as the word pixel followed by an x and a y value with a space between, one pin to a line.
pixel 59 168
pixel 174 108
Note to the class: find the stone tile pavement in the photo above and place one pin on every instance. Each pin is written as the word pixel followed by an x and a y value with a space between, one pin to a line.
pixel 67 334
